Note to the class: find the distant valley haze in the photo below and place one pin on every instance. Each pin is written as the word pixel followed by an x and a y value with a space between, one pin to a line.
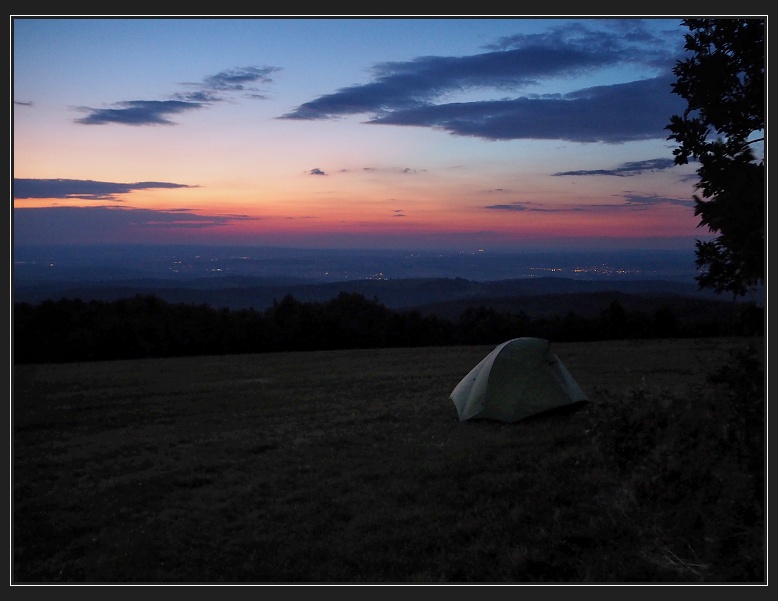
pixel 223 264
pixel 256 277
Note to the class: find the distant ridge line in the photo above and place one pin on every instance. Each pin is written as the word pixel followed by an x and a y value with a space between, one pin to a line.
pixel 409 293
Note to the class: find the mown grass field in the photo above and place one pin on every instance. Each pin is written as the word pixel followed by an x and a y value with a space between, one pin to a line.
pixel 352 467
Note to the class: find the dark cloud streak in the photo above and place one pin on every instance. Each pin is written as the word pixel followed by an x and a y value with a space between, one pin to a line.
pixel 404 93
pixel 79 189
pixel 138 112
pixel 236 80
pixel 631 202
pixel 643 200
pixel 525 206
pixel 75 225
pixel 625 169
pixel 409 85
pixel 613 114
pixel 157 112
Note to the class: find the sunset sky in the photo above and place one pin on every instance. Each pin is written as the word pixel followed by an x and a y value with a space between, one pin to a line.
pixel 495 133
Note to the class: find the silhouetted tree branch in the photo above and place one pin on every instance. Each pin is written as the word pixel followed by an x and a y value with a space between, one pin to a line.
pixel 723 84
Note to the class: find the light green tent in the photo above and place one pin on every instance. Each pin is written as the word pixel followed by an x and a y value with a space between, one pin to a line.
pixel 519 378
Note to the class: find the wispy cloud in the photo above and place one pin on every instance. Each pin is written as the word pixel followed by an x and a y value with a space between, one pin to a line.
pixel 213 89
pixel 80 189
pixel 237 80
pixel 181 218
pixel 75 225
pixel 139 112
pixel 626 169
pixel 403 170
pixel 643 200
pixel 528 206
pixel 413 93
pixel 631 201
pixel 377 170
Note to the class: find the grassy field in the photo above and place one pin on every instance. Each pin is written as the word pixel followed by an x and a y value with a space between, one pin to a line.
pixel 352 467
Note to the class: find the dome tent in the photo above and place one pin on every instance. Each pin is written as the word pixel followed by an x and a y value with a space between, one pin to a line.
pixel 519 378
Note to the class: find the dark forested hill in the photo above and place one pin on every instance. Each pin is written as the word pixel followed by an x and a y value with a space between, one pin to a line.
pixel 194 321
pixel 432 294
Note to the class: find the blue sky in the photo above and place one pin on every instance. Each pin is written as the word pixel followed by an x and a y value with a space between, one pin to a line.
pixel 348 132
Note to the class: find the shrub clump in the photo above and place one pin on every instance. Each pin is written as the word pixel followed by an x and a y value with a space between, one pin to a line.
pixel 690 473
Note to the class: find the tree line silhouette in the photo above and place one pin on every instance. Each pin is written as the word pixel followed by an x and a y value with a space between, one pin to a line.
pixel 145 326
